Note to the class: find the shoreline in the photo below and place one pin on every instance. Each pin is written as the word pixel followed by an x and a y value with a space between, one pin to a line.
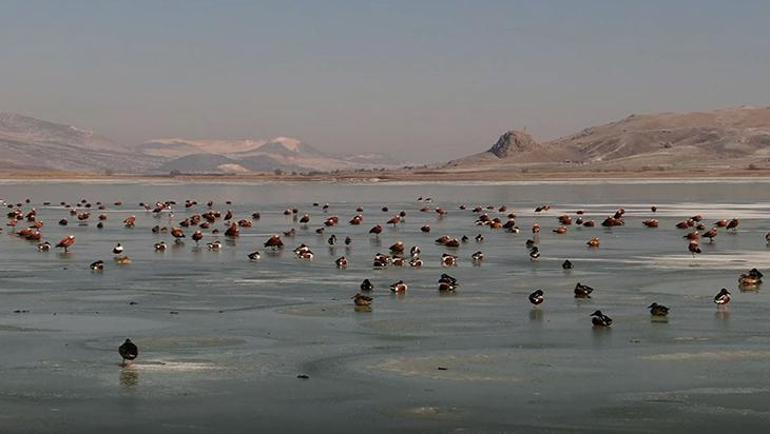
pixel 482 177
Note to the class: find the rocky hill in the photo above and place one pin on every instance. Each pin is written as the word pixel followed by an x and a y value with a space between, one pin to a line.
pixel 732 137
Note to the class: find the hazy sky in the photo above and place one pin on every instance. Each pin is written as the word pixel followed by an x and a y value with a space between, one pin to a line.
pixel 421 80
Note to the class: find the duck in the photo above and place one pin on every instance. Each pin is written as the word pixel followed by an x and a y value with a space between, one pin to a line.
pixel 694 248
pixel 566 265
pixel 305 219
pixel 447 283
pixel 733 225
pixel 197 236
pixel 160 246
pixel 97 265
pixel 598 319
pixel 560 230
pixel 594 242
pixel 177 233
pixel 398 261
pixel 416 262
pixel 130 222
pixel 362 300
pixel 534 254
pixel 254 256
pixel 274 242
pixel 44 247
pixel 118 249
pixel 750 280
pixel 583 291
pixel 723 297
pixel 122 260
pixel 376 230
pixel 651 223
pixel 233 231
pixel 658 310
pixel 399 287
pixel 537 297
pixel 215 245
pixel 381 260
pixel 341 262
pixel 128 351
pixel 767 237
pixel 415 251
pixel 711 234
pixel 477 257
pixel 479 238
pixel 367 286
pixel 425 229
pixel 332 240
pixel 66 243
pixel 448 260
pixel 398 247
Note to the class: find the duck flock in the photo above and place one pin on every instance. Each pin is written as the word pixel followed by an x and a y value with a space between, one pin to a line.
pixel 207 224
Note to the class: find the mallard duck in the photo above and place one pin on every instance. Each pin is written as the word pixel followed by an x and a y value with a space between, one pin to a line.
pixel 658 310
pixel 537 297
pixel 362 300
pixel 722 297
pixel 367 286
pixel 399 287
pixel 583 291
pixel 598 319
pixel 128 351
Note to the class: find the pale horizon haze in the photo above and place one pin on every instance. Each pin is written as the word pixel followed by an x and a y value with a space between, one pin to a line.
pixel 422 81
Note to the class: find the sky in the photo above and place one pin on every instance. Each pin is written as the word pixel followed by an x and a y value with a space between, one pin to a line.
pixel 421 80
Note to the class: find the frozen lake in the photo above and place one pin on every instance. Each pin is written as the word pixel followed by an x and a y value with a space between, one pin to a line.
pixel 222 339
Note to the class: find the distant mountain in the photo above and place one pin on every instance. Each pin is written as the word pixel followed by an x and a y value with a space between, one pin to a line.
pixel 732 137
pixel 29 143
pixel 250 155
